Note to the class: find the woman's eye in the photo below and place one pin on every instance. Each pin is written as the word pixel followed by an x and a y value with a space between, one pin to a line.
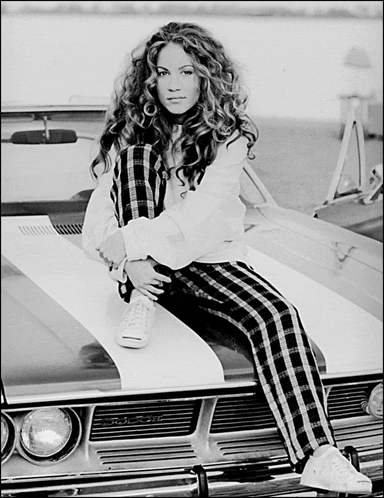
pixel 187 71
pixel 161 73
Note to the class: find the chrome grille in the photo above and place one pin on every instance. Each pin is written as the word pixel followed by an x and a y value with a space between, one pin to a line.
pixel 141 454
pixel 267 443
pixel 366 431
pixel 251 412
pixel 243 413
pixel 346 401
pixel 145 420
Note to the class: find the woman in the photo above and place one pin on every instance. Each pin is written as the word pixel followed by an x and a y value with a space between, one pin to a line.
pixel 170 215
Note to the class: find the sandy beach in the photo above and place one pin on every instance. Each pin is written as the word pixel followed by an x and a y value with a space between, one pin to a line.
pixel 296 159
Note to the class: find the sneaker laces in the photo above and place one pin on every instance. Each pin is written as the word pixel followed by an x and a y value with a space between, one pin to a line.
pixel 343 466
pixel 138 313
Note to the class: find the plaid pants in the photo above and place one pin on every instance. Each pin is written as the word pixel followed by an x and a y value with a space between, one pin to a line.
pixel 285 364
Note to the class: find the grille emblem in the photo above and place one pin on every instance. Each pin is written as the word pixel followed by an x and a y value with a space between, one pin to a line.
pixel 139 419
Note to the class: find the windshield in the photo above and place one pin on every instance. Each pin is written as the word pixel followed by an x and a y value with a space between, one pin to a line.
pixel 46 155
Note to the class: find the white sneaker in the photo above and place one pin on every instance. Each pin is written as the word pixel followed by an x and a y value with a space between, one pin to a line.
pixel 137 321
pixel 333 472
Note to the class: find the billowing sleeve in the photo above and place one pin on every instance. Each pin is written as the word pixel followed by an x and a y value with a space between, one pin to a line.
pixel 99 221
pixel 199 223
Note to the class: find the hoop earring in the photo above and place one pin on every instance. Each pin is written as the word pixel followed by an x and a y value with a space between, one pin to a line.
pixel 150 109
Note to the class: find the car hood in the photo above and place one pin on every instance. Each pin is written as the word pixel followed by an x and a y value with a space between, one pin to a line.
pixel 333 277
pixel 66 311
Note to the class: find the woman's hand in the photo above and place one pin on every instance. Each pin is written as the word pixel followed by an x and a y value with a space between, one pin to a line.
pixel 144 278
pixel 112 250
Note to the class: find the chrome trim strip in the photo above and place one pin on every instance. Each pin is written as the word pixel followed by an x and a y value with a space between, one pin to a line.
pixel 89 396
pixel 101 395
pixel 351 376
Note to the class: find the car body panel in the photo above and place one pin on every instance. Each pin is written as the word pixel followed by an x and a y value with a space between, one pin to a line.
pixel 347 263
pixel 353 213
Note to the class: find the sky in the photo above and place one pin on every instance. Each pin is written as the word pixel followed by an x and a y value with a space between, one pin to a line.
pixel 316 3
pixel 292 4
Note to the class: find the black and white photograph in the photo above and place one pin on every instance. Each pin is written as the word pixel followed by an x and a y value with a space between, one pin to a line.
pixel 191 249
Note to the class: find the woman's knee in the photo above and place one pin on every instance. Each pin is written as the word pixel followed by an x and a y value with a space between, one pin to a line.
pixel 287 309
pixel 143 156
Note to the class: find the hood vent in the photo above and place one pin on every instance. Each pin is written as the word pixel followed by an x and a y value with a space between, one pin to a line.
pixel 69 228
pixel 61 229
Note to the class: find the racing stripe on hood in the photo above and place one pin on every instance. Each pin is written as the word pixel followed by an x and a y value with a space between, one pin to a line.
pixel 47 349
pixel 176 357
pixel 349 337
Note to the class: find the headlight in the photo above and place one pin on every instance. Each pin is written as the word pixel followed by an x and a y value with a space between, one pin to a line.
pixel 7 437
pixel 4 433
pixel 375 402
pixel 49 434
pixel 45 432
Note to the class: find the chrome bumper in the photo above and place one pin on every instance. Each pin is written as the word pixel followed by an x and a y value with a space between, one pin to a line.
pixel 251 479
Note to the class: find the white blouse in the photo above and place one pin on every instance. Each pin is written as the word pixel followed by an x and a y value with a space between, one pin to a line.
pixel 205 225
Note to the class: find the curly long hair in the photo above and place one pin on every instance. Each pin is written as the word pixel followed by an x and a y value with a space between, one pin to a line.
pixel 136 116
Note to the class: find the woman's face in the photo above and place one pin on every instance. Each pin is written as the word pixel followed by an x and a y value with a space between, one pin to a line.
pixel 178 86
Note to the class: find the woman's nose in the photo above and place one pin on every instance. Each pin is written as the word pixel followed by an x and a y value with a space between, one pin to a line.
pixel 174 83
